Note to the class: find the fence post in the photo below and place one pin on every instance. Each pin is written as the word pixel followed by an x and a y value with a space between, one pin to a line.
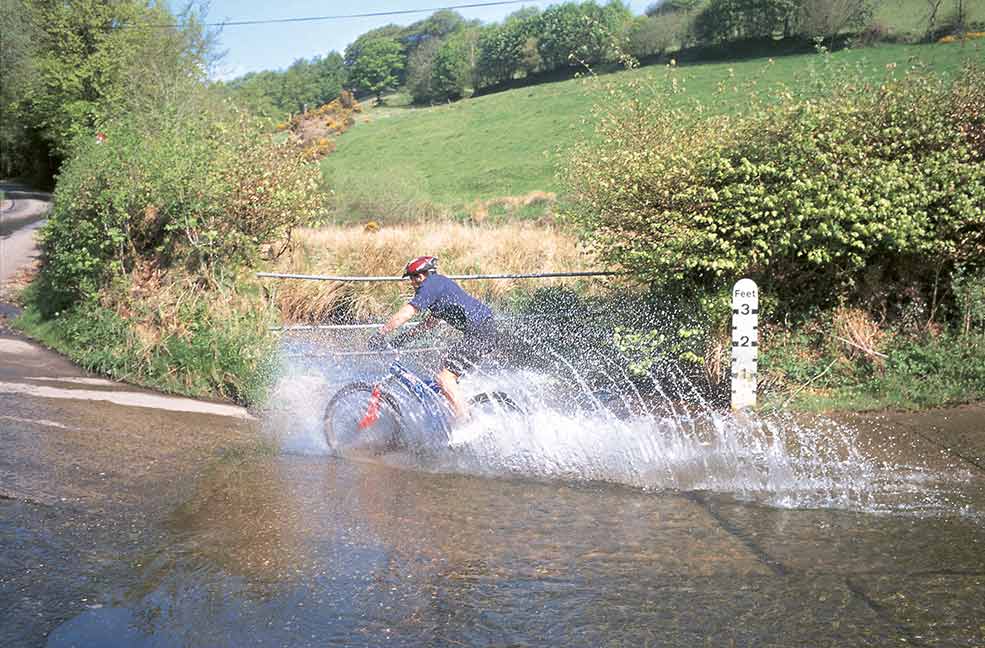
pixel 745 343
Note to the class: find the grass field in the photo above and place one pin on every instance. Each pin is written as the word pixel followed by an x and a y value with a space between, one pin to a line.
pixel 402 163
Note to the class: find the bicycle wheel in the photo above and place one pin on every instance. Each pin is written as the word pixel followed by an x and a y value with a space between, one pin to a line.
pixel 347 427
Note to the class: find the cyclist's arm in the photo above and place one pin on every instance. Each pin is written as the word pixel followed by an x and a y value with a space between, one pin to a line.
pixel 399 318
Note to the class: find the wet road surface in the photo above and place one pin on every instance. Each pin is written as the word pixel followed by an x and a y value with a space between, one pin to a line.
pixel 85 483
pixel 136 526
pixel 22 213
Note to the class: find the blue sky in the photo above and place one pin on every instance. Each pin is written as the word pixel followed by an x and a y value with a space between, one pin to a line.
pixel 251 48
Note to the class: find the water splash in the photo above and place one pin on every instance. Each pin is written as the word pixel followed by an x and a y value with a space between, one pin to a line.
pixel 664 444
pixel 778 461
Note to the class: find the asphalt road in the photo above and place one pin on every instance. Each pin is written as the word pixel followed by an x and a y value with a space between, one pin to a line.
pixel 22 213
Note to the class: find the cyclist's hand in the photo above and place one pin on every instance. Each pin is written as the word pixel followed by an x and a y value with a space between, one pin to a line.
pixel 377 342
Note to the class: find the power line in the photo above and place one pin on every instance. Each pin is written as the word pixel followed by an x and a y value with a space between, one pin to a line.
pixel 373 14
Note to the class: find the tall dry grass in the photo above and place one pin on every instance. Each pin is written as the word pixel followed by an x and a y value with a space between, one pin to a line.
pixel 510 248
pixel 861 334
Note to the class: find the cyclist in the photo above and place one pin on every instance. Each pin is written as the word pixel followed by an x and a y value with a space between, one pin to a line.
pixel 440 298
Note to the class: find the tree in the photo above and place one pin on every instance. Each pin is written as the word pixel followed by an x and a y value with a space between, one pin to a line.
pixel 663 7
pixel 653 35
pixel 828 18
pixel 452 71
pixel 378 67
pixel 17 71
pixel 330 76
pixel 572 34
pixel 530 60
pixel 419 71
pixel 260 92
pixel 562 34
pixel 436 27
pixel 305 83
pixel 95 60
pixel 354 49
pixel 501 48
pixel 726 20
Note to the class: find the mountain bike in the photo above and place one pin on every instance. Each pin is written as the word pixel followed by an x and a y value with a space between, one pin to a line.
pixel 401 410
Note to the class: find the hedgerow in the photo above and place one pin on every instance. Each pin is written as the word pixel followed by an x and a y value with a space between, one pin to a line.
pixel 146 251
pixel 859 192
pixel 192 193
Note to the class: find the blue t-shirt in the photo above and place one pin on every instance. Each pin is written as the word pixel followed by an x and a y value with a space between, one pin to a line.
pixel 446 300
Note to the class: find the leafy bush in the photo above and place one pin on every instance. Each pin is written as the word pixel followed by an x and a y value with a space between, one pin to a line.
pixel 966 108
pixel 946 365
pixel 809 368
pixel 818 196
pixel 149 231
pixel 926 372
pixel 192 192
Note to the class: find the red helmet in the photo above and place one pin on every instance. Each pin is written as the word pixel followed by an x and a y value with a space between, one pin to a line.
pixel 421 265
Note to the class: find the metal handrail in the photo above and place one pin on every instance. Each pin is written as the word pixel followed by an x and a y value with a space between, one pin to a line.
pixel 539 275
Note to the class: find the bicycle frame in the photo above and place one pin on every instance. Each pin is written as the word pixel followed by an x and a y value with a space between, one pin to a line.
pixel 426 392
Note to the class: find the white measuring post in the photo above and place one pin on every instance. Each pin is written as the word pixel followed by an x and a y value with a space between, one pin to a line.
pixel 745 343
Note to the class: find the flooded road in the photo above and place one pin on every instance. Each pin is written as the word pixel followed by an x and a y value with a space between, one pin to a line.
pixel 137 526
pixel 302 551
pixel 86 483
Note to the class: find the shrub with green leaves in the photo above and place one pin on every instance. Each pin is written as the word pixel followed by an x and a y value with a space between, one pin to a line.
pixel 822 196
pixel 918 372
pixel 145 248
pixel 188 192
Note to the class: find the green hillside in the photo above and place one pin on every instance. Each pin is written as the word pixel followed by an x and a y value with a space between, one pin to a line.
pixel 425 161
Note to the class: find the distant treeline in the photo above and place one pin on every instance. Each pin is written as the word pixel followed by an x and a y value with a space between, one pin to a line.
pixel 445 57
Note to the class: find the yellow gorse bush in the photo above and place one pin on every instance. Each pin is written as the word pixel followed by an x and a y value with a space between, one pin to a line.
pixel 957 38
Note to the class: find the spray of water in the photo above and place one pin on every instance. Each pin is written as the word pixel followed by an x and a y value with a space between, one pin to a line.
pixel 590 421
pixel 778 461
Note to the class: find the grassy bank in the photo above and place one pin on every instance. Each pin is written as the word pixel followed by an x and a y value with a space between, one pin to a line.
pixel 176 339
pixel 443 161
pixel 846 360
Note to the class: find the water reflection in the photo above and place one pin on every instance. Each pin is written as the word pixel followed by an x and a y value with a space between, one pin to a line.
pixel 313 551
